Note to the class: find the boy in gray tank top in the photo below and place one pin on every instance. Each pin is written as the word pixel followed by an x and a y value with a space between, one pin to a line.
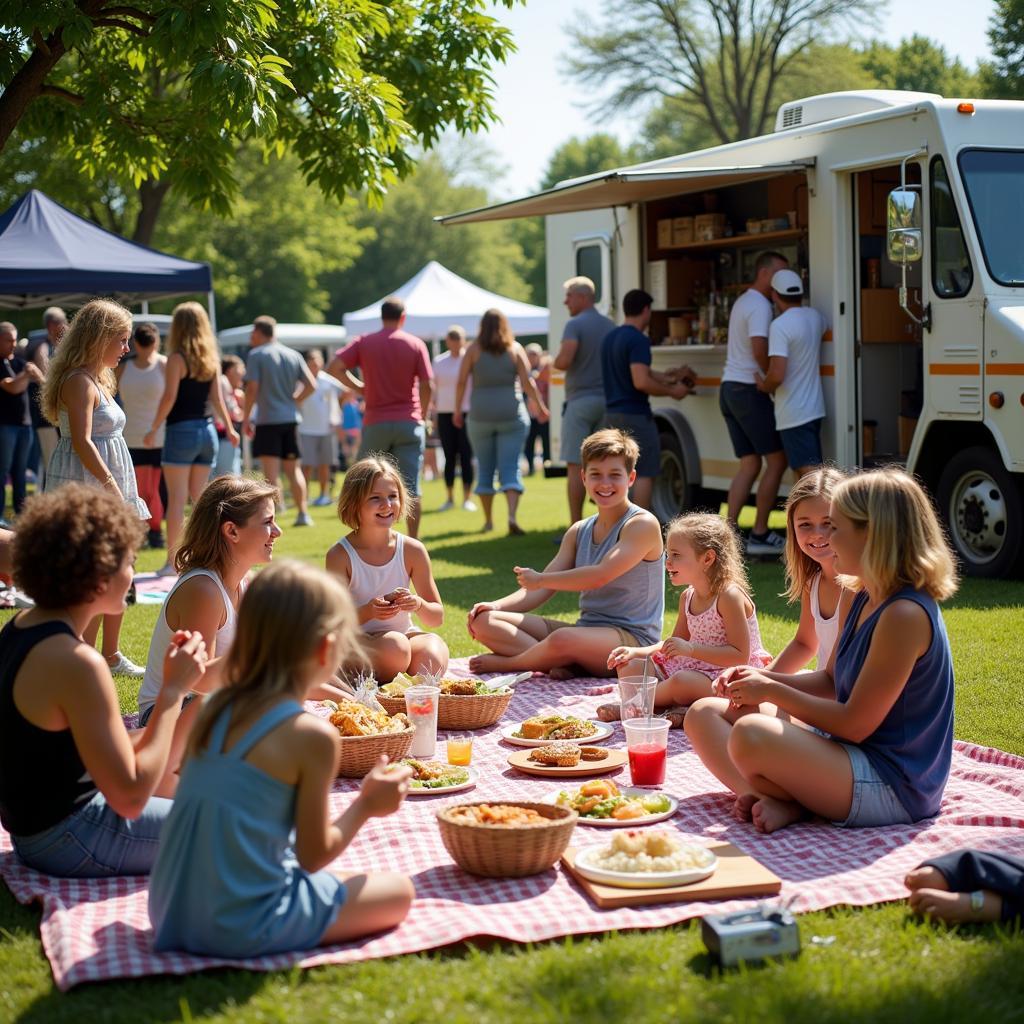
pixel 614 560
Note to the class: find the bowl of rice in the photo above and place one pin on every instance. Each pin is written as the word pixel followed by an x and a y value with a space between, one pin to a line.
pixel 645 859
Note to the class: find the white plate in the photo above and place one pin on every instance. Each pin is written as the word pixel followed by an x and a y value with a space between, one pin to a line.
pixel 440 790
pixel 636 880
pixel 604 730
pixel 647 819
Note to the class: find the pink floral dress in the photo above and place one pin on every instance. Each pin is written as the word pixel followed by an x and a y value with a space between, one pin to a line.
pixel 707 629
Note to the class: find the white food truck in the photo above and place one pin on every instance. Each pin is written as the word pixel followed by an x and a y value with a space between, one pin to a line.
pixel 905 213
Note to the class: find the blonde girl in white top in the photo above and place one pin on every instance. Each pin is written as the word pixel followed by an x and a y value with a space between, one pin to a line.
pixel 378 566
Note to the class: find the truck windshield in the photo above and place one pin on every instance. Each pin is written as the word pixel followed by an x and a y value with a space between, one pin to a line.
pixel 994 180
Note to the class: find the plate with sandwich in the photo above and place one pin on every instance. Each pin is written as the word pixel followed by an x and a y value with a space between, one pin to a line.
pixel 540 730
pixel 564 758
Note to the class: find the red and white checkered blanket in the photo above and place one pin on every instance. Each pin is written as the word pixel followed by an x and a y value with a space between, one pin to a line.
pixel 94 930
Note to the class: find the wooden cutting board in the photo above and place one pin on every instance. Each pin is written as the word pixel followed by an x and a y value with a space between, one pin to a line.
pixel 737 875
pixel 615 760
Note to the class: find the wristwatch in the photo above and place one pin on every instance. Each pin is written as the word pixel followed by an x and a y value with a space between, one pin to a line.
pixel 977 901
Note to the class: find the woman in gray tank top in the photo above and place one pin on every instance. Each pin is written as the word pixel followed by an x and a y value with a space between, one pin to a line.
pixel 498 422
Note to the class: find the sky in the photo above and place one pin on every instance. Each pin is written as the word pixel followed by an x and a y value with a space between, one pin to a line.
pixel 540 107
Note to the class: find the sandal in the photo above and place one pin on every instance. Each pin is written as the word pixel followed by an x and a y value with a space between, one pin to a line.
pixel 515 530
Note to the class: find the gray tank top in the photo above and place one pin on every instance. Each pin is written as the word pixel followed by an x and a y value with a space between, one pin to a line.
pixel 636 600
pixel 496 395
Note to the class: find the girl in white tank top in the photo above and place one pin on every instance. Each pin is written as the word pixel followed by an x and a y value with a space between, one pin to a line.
pixel 379 565
pixel 811 571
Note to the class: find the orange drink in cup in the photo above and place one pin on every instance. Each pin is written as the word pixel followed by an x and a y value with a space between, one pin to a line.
pixel 460 750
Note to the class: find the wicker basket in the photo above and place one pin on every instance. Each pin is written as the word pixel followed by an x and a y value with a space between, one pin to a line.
pixel 508 851
pixel 459 712
pixel 359 753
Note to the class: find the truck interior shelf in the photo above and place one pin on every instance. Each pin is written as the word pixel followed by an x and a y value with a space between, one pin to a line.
pixel 789 235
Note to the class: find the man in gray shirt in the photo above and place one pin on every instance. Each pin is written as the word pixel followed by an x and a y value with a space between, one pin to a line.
pixel 277 380
pixel 580 357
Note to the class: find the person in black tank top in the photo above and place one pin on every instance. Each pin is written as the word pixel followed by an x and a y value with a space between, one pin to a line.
pixel 77 793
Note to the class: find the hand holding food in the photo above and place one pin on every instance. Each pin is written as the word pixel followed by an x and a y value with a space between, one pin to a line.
pixel 384 788
pixel 405 600
pixel 528 579
pixel 621 656
pixel 184 662
pixel 382 608
pixel 677 647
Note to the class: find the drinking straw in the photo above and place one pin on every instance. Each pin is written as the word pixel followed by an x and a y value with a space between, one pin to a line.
pixel 649 707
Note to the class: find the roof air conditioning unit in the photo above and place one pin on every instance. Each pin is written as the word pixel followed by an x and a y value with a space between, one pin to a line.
pixel 834 105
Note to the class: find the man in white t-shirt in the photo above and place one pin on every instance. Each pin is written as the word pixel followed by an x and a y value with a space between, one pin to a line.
pixel 318 440
pixel 748 411
pixel 794 372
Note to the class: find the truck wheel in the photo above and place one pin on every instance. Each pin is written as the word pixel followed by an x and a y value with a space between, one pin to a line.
pixel 981 504
pixel 673 490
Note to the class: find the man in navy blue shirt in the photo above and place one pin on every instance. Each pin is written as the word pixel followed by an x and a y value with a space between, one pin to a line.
pixel 628 383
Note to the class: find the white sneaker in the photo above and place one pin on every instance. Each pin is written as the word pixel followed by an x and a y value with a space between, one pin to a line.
pixel 770 544
pixel 126 667
pixel 303 519
pixel 468 506
pixel 12 597
pixel 447 506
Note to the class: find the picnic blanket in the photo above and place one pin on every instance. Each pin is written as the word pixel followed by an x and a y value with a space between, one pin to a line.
pixel 99 929
pixel 152 589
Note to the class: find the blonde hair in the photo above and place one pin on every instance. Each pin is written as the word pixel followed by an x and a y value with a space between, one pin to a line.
pixel 708 532
pixel 581 286
pixel 191 336
pixel 93 328
pixel 494 334
pixel 227 499
pixel 905 545
pixel 360 481
pixel 284 615
pixel 610 444
pixel 801 568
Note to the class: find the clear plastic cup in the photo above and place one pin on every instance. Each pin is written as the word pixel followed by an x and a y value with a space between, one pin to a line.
pixel 636 696
pixel 460 750
pixel 421 707
pixel 647 747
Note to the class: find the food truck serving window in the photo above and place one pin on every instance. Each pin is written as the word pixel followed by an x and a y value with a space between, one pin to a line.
pixel 952 274
pixel 589 264
pixel 994 181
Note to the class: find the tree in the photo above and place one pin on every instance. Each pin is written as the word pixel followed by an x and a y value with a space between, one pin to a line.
pixel 726 57
pixel 159 93
pixel 918 65
pixel 1003 77
pixel 405 237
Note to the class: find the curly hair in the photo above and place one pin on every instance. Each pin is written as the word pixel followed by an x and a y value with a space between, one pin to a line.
pixel 706 531
pixel 69 541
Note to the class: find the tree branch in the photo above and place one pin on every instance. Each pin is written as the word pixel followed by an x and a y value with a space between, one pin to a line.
pixel 126 25
pixel 130 12
pixel 61 93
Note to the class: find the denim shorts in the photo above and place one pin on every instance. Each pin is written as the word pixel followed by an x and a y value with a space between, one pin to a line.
pixel 750 418
pixel 94 842
pixel 580 418
pixel 190 443
pixel 802 444
pixel 874 800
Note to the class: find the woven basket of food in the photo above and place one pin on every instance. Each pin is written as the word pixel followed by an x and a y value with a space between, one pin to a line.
pixel 462 704
pixel 366 734
pixel 506 840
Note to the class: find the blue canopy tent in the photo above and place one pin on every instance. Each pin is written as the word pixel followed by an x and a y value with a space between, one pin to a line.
pixel 50 256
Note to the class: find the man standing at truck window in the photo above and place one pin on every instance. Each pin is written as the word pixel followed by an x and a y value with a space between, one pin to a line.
pixel 580 357
pixel 794 373
pixel 748 411
pixel 628 383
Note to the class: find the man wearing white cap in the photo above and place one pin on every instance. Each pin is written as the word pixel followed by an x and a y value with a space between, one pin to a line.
pixel 794 374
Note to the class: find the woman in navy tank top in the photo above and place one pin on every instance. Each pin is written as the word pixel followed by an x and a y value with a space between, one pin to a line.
pixel 880 715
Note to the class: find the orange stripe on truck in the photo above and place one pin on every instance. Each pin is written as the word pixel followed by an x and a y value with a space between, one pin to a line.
pixel 954 369
pixel 1007 369
pixel 828 370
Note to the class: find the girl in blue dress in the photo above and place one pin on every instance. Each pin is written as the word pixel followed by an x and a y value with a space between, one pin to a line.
pixel 880 715
pixel 240 871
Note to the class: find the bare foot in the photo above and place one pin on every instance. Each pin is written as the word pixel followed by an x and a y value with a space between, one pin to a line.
pixel 563 672
pixel 676 716
pixel 741 809
pixel 955 907
pixel 489 663
pixel 926 877
pixel 609 712
pixel 769 814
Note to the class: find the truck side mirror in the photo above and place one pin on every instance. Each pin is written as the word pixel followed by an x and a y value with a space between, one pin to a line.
pixel 905 236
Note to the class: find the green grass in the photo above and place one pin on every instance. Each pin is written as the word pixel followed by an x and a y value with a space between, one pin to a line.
pixel 882 966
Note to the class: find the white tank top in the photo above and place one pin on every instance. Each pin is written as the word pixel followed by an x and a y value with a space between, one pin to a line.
pixel 141 391
pixel 162 633
pixel 370 581
pixel 827 630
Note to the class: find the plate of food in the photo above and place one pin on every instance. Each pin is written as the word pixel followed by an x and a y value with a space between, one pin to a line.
pixel 541 730
pixel 432 778
pixel 566 758
pixel 651 859
pixel 603 803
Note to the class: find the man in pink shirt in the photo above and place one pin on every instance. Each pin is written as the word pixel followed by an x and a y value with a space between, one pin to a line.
pixel 396 388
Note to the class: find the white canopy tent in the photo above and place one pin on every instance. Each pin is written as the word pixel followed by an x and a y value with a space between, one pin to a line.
pixel 436 298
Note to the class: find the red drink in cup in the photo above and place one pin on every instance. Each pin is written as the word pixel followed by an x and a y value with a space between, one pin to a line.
pixel 647 745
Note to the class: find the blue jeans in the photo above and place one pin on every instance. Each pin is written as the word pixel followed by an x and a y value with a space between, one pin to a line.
pixel 94 842
pixel 15 444
pixel 497 447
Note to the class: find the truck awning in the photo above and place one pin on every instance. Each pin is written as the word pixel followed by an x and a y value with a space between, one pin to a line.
pixel 623 187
